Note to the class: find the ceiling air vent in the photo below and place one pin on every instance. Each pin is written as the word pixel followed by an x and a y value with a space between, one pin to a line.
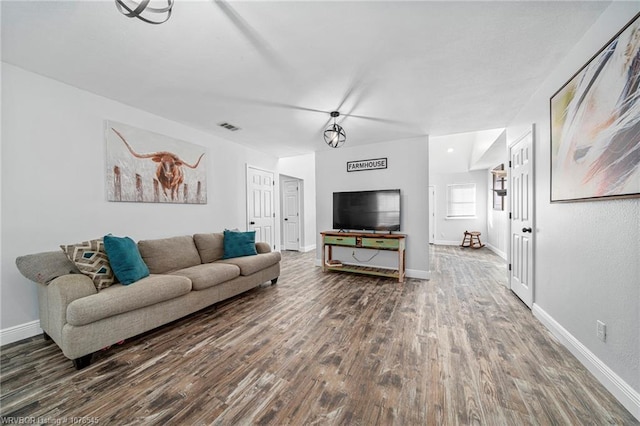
pixel 229 126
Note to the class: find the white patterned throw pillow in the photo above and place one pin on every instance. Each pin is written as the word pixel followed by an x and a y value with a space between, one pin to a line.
pixel 91 259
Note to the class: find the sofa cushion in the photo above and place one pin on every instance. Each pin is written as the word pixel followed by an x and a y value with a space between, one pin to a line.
pixel 262 247
pixel 91 259
pixel 210 246
pixel 209 274
pixel 119 299
pixel 237 244
pixel 45 267
pixel 125 259
pixel 251 264
pixel 169 254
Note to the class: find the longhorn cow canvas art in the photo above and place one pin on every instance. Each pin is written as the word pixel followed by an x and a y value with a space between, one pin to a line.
pixel 143 166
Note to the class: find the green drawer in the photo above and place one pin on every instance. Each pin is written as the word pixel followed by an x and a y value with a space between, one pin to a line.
pixel 383 243
pixel 340 241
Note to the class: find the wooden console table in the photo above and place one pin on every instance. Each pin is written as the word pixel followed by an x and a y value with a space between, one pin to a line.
pixel 392 242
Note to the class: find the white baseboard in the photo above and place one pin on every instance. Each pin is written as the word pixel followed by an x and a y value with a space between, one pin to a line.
pixel 457 243
pixel 20 332
pixel 304 249
pixel 418 273
pixel 497 251
pixel 446 243
pixel 623 392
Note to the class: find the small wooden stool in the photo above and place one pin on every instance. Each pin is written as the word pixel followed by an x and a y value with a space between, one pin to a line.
pixel 471 239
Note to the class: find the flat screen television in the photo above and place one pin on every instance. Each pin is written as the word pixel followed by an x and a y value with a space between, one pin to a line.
pixel 367 210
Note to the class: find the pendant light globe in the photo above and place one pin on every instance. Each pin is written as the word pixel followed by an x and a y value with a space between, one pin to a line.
pixel 334 135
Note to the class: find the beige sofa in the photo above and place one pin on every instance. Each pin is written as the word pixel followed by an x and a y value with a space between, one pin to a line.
pixel 187 274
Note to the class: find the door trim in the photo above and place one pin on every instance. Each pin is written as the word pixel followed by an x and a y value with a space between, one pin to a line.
pixel 532 132
pixel 432 214
pixel 300 182
pixel 275 232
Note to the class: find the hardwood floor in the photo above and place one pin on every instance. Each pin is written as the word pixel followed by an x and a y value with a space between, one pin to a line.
pixel 328 349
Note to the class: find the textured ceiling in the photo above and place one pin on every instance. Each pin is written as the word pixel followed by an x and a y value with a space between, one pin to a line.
pixel 412 68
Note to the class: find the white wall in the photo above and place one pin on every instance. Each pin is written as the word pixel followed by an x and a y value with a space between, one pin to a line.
pixel 53 180
pixel 408 164
pixel 451 231
pixel 304 167
pixel 587 254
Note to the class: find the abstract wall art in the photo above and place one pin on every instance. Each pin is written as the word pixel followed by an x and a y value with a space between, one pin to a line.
pixel 595 125
pixel 143 166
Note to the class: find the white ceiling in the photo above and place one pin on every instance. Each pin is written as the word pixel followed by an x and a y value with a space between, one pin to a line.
pixel 424 67
pixel 464 152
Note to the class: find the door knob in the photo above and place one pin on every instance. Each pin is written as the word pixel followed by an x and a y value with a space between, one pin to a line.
pixel 252 223
pixel 286 218
pixel 526 230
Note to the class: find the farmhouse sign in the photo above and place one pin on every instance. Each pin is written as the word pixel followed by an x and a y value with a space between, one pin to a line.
pixel 373 164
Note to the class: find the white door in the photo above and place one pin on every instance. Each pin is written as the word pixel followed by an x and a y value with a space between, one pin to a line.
pixel 432 214
pixel 291 214
pixel 260 214
pixel 522 226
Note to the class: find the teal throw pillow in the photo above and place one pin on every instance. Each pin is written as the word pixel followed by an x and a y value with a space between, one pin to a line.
pixel 125 259
pixel 237 244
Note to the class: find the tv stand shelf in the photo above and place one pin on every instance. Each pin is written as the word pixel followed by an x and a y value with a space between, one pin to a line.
pixel 391 242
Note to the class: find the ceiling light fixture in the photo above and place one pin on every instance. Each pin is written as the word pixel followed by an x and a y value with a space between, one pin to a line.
pixel 134 9
pixel 335 135
pixel 229 126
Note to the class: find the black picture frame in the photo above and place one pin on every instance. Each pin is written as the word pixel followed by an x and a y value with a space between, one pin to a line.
pixel 595 125
pixel 371 164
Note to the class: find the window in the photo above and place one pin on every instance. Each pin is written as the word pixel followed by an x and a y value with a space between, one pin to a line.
pixel 461 200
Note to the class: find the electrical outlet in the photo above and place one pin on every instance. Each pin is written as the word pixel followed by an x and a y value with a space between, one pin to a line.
pixel 602 331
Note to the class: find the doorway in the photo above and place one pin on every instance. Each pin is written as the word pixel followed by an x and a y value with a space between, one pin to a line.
pixel 432 214
pixel 260 214
pixel 522 226
pixel 291 207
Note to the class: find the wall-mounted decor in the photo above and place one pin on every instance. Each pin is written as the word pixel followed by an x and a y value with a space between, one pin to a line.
pixel 373 164
pixel 595 124
pixel 499 177
pixel 143 166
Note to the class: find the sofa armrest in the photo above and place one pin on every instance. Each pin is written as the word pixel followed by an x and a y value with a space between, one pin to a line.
pixel 263 247
pixel 59 294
